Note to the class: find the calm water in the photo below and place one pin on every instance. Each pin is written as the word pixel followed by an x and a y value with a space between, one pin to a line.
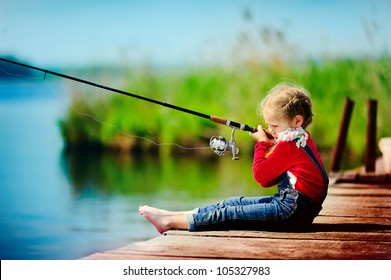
pixel 65 206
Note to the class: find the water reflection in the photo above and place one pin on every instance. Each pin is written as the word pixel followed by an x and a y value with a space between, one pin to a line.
pixel 176 182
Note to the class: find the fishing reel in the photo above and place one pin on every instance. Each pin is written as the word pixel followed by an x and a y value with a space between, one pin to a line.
pixel 220 145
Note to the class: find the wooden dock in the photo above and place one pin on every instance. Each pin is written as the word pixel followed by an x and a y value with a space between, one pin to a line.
pixel 355 223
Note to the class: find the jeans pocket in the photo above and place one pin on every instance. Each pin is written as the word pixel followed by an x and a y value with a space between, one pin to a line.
pixel 288 202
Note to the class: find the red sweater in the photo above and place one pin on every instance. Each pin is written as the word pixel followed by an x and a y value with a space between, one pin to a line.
pixel 286 156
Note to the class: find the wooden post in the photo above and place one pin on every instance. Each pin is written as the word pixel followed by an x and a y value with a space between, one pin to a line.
pixel 342 135
pixel 370 152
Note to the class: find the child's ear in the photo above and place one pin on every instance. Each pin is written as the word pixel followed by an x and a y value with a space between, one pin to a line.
pixel 298 121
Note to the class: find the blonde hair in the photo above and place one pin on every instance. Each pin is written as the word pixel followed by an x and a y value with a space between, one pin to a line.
pixel 288 100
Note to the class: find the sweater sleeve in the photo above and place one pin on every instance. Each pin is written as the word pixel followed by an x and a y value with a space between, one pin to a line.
pixel 267 170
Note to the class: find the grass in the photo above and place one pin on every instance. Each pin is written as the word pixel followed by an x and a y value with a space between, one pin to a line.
pixel 231 92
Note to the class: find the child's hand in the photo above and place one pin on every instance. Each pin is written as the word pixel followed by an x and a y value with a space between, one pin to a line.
pixel 260 135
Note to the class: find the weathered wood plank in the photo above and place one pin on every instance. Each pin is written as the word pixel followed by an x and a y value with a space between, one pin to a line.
pixel 183 247
pixel 331 235
pixel 364 192
pixel 355 223
pixel 114 255
pixel 361 177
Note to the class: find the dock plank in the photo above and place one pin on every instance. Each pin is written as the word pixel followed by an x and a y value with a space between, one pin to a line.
pixel 355 223
pixel 202 247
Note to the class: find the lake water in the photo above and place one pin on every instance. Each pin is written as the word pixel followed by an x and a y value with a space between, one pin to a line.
pixel 57 205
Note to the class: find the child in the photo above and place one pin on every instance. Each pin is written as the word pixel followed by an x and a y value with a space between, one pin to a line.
pixel 290 161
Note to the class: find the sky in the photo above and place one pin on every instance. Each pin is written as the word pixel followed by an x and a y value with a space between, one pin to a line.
pixel 180 32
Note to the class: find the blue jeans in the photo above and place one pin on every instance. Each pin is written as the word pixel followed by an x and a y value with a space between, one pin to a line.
pixel 247 212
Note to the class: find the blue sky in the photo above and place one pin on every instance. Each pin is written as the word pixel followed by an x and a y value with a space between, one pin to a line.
pixel 79 32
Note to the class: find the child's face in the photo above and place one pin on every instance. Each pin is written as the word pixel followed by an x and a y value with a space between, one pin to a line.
pixel 276 123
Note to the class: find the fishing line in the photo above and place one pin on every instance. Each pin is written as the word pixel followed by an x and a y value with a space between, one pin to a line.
pixel 77 111
pixel 136 136
pixel 73 108
pixel 19 75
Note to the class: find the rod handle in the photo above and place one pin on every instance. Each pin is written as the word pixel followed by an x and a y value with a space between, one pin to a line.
pixel 244 127
pixel 217 119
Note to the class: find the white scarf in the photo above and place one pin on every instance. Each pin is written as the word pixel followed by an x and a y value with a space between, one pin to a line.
pixel 294 134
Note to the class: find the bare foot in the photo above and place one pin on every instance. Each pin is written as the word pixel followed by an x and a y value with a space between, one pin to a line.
pixel 160 221
pixel 164 220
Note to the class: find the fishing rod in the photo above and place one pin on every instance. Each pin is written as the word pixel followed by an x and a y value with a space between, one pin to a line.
pixel 218 144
